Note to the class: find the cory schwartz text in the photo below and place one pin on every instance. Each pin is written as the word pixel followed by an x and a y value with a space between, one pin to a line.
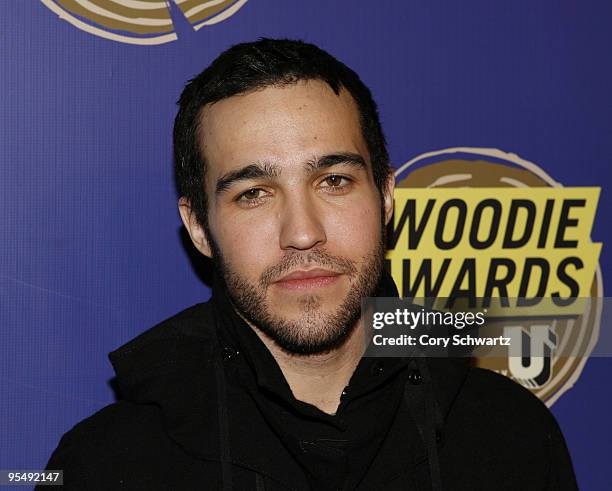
pixel 426 340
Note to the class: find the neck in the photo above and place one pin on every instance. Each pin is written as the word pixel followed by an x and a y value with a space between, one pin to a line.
pixel 319 379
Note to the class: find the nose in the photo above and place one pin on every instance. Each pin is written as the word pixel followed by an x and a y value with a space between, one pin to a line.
pixel 302 227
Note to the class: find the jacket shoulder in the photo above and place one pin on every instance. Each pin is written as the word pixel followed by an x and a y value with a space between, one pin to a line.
pixel 499 419
pixel 497 400
pixel 124 418
pixel 193 323
pixel 103 438
pixel 483 386
pixel 122 446
pixel 113 421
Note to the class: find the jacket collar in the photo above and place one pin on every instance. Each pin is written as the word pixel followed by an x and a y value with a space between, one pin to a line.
pixel 235 334
pixel 171 366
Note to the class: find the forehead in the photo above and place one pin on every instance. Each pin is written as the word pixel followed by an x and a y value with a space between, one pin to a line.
pixel 286 124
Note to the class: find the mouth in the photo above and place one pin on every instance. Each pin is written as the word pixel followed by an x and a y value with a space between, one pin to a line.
pixel 308 279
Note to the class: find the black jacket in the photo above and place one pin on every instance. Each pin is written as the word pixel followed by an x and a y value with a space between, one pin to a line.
pixel 187 422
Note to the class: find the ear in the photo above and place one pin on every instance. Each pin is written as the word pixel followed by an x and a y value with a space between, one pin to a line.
pixel 388 197
pixel 194 228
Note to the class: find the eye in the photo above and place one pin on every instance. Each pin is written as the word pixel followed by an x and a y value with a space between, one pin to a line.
pixel 251 197
pixel 252 193
pixel 335 183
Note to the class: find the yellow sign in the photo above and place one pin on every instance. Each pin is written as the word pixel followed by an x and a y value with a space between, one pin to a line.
pixel 492 230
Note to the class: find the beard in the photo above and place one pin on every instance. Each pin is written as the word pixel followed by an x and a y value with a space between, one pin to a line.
pixel 314 330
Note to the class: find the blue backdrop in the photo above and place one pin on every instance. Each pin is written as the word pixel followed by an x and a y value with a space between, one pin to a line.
pixel 90 247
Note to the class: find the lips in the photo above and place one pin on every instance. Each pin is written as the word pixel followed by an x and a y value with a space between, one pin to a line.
pixel 306 279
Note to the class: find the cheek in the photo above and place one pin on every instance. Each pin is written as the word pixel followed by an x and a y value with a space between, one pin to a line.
pixel 247 245
pixel 356 231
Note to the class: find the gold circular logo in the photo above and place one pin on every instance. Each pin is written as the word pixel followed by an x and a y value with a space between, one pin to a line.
pixel 480 174
pixel 144 22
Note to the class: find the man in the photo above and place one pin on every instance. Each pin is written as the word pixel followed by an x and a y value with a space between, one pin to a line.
pixel 285 183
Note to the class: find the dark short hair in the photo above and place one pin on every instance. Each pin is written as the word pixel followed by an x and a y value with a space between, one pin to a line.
pixel 249 66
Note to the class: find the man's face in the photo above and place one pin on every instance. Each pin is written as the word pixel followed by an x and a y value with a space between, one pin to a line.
pixel 295 219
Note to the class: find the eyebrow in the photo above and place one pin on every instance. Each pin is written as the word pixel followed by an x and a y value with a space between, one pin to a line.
pixel 352 159
pixel 257 170
pixel 267 170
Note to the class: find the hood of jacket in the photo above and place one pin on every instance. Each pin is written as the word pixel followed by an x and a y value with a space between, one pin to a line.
pixel 176 367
